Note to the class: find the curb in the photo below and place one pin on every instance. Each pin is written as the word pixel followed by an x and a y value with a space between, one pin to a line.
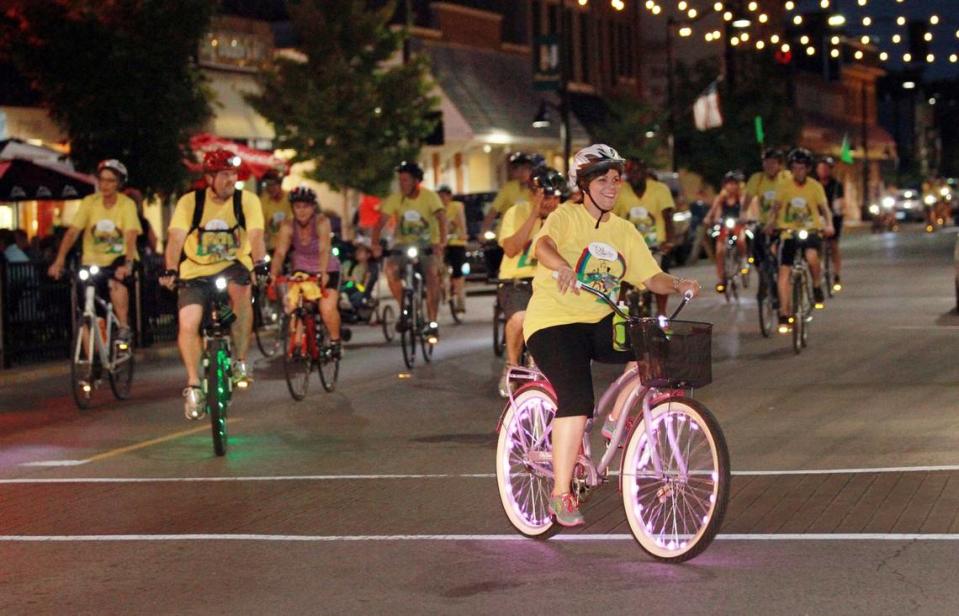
pixel 61 367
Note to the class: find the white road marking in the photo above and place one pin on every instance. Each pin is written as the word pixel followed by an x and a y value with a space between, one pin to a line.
pixel 925 327
pixel 55 463
pixel 398 476
pixel 463 537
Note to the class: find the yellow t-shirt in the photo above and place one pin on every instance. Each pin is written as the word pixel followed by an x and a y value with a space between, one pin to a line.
pixel 760 185
pixel 275 211
pixel 223 241
pixel 522 265
pixel 601 257
pixel 416 221
pixel 455 236
pixel 646 212
pixel 509 195
pixel 800 205
pixel 103 228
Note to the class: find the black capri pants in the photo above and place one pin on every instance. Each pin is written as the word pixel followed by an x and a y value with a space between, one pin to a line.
pixel 564 353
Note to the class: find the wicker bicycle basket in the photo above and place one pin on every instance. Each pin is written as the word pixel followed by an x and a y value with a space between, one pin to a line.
pixel 676 355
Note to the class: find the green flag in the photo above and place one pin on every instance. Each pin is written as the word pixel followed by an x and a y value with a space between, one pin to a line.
pixel 760 133
pixel 845 154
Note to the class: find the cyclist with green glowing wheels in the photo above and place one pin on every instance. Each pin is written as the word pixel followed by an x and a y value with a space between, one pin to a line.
pixel 309 234
pixel 801 205
pixel 420 223
pixel 520 224
pixel 647 203
pixel 565 329
pixel 218 232
pixel 109 224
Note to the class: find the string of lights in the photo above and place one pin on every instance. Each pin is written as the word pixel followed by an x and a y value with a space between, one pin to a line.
pixel 863 23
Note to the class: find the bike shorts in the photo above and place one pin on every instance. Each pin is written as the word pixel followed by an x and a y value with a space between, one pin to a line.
pixel 308 289
pixel 200 294
pixel 456 258
pixel 564 354
pixel 102 284
pixel 425 261
pixel 788 247
pixel 514 295
pixel 837 225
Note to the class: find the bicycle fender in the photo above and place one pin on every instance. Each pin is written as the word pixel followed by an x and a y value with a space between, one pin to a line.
pixel 535 384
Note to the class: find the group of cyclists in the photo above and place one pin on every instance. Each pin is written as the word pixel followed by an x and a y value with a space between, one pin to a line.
pixel 796 206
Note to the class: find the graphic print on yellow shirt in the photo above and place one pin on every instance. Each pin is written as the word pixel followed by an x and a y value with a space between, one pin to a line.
pixel 103 228
pixel 219 240
pixel 800 205
pixel 602 258
pixel 416 221
pixel 522 265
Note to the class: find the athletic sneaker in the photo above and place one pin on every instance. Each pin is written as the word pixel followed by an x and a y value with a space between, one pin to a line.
pixel 565 508
pixel 193 402
pixel 818 298
pixel 504 382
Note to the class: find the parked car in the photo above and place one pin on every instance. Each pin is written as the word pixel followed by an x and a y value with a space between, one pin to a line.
pixel 483 254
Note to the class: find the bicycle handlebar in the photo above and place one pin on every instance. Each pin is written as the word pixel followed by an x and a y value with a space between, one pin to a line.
pixel 687 297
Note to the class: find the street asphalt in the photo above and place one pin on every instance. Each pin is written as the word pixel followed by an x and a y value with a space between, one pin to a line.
pixel 380 497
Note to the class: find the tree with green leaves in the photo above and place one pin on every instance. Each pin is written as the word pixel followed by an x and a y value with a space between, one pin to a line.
pixel 760 90
pixel 636 129
pixel 345 101
pixel 118 76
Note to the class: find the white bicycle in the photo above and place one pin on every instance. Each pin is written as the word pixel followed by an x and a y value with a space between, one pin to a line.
pixel 98 349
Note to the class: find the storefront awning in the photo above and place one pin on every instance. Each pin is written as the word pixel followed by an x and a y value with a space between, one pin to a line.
pixel 234 118
pixel 493 92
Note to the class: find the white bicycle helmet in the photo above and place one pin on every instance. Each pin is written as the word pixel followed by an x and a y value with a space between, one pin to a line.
pixel 597 157
pixel 115 166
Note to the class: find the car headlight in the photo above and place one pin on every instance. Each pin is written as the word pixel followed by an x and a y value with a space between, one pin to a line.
pixel 489 235
pixel 412 252
pixel 874 209
pixel 220 283
pixel 909 194
pixel 888 202
pixel 803 234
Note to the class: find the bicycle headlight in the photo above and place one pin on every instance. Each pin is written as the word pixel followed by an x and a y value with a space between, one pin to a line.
pixel 730 223
pixel 929 199
pixel 220 283
pixel 489 235
pixel 84 275
pixel 874 209
pixel 803 234
pixel 266 258
pixel 465 269
pixel 335 251
pixel 412 252
pixel 94 270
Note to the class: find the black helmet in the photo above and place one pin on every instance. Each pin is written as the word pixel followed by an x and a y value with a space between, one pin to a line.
pixel 734 176
pixel 444 188
pixel 773 153
pixel 519 158
pixel 550 180
pixel 272 176
pixel 537 160
pixel 412 168
pixel 802 156
pixel 829 160
pixel 303 194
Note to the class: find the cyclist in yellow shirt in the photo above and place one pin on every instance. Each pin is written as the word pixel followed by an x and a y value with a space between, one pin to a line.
pixel 520 225
pixel 455 256
pixel 420 222
pixel 518 188
pixel 759 197
pixel 109 224
pixel 800 205
pixel 566 332
pixel 276 207
pixel 215 232
pixel 648 204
